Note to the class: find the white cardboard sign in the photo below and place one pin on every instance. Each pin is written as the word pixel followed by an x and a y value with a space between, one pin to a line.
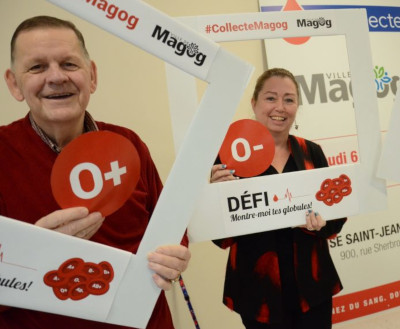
pixel 131 300
pixel 28 252
pixel 271 202
pixel 213 218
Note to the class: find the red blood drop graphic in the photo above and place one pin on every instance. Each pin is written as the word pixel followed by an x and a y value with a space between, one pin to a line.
pixel 292 5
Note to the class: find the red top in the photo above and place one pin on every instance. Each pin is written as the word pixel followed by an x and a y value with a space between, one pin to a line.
pixel 25 194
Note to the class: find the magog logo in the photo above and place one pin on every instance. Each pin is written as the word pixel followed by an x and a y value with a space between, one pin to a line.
pixel 181 47
pixel 315 23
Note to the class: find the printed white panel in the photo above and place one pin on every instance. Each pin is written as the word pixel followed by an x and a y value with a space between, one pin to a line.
pixel 146 27
pixel 43 270
pixel 350 23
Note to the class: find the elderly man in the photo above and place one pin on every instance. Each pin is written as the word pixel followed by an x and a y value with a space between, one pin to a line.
pixel 51 70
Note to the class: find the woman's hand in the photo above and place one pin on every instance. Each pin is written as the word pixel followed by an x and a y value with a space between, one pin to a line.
pixel 314 221
pixel 219 173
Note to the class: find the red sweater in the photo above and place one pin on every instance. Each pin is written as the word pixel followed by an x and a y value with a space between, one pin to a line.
pixel 25 194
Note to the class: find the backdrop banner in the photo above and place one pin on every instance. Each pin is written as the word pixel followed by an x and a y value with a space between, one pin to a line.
pixel 365 251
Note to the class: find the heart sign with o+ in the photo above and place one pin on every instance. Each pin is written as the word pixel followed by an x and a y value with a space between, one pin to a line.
pixel 248 148
pixel 98 170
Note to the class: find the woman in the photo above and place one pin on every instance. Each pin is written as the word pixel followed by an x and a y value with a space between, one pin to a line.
pixel 282 279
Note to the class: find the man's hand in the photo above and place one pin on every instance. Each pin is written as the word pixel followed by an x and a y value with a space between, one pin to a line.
pixel 168 262
pixel 73 221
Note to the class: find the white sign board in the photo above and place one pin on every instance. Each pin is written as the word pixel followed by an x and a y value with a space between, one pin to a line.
pixel 214 218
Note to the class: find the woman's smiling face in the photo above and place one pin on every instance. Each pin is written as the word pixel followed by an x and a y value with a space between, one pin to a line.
pixel 276 105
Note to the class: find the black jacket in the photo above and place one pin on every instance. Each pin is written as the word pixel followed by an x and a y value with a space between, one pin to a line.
pixel 290 266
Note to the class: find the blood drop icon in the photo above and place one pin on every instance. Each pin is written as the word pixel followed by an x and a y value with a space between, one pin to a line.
pixel 292 5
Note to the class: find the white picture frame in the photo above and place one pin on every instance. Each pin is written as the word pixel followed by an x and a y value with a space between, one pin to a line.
pixel 212 218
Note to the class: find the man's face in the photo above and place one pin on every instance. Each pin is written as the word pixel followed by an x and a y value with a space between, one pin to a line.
pixel 53 75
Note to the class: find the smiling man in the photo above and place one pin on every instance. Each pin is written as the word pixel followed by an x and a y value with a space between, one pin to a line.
pixel 52 72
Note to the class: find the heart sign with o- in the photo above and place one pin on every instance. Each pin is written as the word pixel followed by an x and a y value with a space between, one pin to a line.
pixel 248 148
